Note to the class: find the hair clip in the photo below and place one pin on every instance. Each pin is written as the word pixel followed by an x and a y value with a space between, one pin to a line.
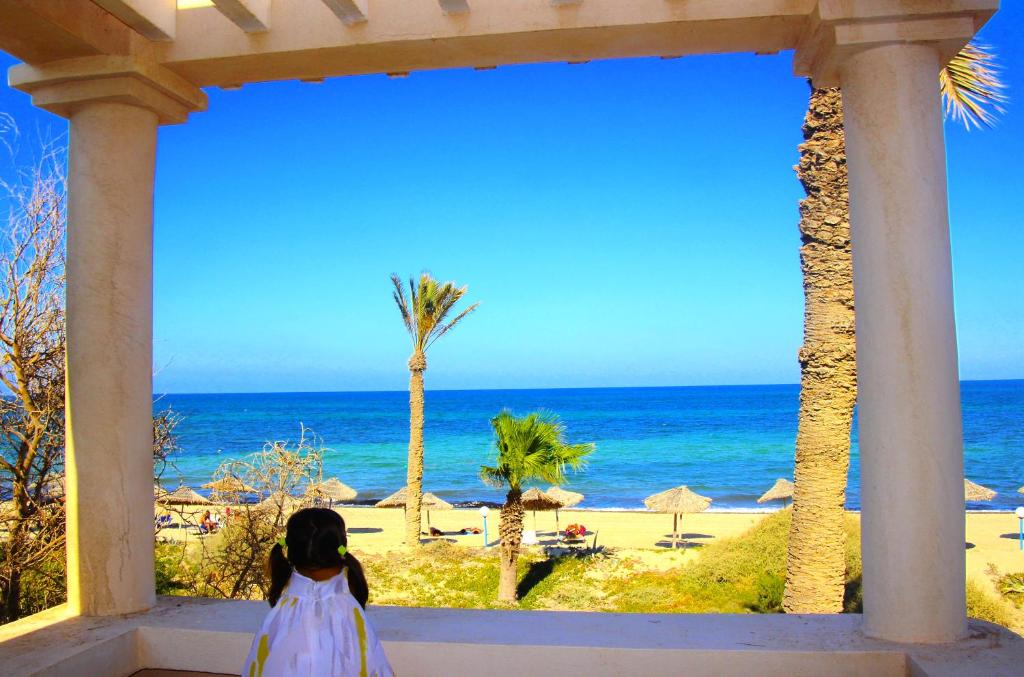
pixel 342 550
pixel 282 542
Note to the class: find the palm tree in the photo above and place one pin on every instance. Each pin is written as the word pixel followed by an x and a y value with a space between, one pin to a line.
pixel 425 314
pixel 815 568
pixel 530 449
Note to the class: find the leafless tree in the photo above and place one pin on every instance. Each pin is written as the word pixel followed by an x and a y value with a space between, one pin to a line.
pixel 32 372
pixel 262 490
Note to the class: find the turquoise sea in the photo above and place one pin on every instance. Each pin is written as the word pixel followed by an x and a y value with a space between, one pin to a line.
pixel 728 442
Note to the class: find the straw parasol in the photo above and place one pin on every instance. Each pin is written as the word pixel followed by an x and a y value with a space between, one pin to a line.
pixel 678 501
pixel 1021 490
pixel 158 491
pixel 535 499
pixel 567 498
pixel 229 485
pixel 975 492
pixel 334 490
pixel 780 491
pixel 428 502
pixel 279 500
pixel 183 496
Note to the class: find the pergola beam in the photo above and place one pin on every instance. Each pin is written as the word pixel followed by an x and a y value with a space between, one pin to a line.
pixel 252 16
pixel 454 6
pixel 154 19
pixel 43 31
pixel 401 36
pixel 349 11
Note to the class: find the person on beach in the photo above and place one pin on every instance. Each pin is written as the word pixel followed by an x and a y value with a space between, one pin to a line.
pixel 318 592
pixel 206 524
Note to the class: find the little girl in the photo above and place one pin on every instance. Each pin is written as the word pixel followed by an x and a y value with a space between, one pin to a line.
pixel 317 626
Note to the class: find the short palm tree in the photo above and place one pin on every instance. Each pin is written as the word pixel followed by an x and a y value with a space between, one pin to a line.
pixel 425 313
pixel 815 568
pixel 530 449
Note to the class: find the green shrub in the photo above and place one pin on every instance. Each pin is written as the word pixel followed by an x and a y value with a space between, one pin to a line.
pixel 169 561
pixel 43 586
pixel 770 588
pixel 438 575
pixel 1012 587
pixel 743 559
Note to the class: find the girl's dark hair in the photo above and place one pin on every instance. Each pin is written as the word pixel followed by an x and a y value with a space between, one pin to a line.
pixel 313 536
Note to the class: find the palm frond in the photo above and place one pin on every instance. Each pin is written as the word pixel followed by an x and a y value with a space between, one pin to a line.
pixel 972 90
pixel 493 477
pixel 403 305
pixel 451 325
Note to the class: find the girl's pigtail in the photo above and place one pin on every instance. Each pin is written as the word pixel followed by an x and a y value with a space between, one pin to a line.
pixel 280 573
pixel 357 584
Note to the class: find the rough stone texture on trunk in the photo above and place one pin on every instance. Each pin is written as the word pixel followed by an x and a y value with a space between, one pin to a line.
pixel 816 565
pixel 511 531
pixel 414 478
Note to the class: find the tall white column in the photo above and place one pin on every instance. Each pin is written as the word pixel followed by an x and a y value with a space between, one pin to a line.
pixel 909 393
pixel 109 358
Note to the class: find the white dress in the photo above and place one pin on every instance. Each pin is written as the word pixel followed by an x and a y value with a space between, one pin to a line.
pixel 317 629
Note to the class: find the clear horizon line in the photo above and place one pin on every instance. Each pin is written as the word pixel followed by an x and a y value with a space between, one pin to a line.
pixel 458 390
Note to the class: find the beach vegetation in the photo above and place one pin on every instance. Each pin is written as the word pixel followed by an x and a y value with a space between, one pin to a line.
pixel 985 606
pixel 972 93
pixel 529 449
pixel 1011 586
pixel 425 313
pixel 744 574
pixel 169 560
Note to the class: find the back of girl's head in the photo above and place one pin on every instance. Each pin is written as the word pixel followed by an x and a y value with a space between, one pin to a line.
pixel 313 537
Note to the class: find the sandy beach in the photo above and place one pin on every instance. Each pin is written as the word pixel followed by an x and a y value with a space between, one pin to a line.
pixel 991 536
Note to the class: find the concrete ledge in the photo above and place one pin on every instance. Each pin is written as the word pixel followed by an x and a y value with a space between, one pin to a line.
pixel 213 636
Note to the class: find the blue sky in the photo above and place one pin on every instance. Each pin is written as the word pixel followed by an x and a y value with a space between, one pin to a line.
pixel 623 223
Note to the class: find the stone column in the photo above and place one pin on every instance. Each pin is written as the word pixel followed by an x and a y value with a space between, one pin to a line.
pixel 109 358
pixel 114 105
pixel 909 393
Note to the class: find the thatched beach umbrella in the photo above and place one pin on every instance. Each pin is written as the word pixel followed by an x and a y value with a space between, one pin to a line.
pixel 158 491
pixel 229 485
pixel 428 502
pixel 780 491
pixel 535 499
pixel 279 500
pixel 334 490
pixel 678 501
pixel 975 492
pixel 567 498
pixel 184 496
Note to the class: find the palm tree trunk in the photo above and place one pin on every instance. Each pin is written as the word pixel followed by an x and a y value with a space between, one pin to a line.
pixel 511 530
pixel 414 478
pixel 816 565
